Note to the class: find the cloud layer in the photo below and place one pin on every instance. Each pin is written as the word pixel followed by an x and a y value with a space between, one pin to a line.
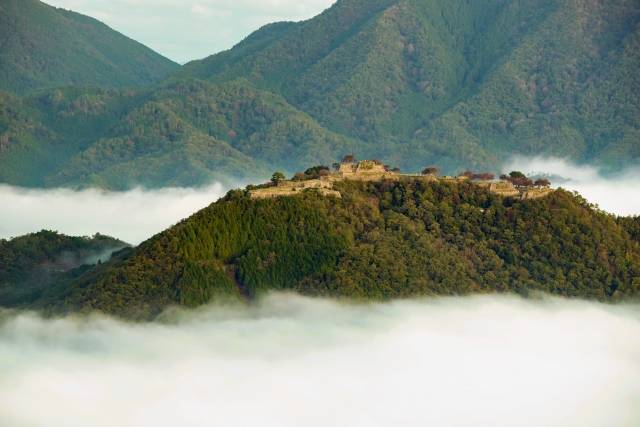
pixel 619 194
pixel 132 216
pixel 198 28
pixel 292 361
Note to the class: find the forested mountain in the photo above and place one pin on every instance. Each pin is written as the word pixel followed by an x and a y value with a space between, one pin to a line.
pixel 381 240
pixel 183 133
pixel 31 263
pixel 458 83
pixel 44 47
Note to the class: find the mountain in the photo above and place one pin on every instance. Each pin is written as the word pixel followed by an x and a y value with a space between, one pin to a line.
pixel 44 47
pixel 182 133
pixel 31 263
pixel 457 82
pixel 380 240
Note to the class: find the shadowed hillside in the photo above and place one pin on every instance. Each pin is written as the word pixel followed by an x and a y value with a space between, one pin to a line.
pixel 457 83
pixel 457 80
pixel 44 47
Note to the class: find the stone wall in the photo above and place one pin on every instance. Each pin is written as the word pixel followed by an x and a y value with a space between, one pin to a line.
pixel 536 193
pixel 504 188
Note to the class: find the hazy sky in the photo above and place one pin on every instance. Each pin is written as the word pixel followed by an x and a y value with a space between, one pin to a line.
pixel 191 29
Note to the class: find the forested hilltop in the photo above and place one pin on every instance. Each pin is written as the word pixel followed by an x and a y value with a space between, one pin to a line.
pixel 457 83
pixel 380 240
pixel 31 263
pixel 45 47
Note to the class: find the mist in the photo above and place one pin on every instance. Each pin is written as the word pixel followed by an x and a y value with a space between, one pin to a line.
pixel 618 194
pixel 131 216
pixel 292 361
pixel 136 215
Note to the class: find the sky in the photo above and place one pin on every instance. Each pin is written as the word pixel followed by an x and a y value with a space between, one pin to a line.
pixel 291 361
pixel 184 30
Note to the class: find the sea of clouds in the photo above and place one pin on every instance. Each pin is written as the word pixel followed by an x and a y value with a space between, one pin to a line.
pixel 132 216
pixel 292 361
pixel 618 193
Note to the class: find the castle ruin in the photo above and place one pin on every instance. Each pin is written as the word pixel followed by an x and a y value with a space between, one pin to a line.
pixel 372 170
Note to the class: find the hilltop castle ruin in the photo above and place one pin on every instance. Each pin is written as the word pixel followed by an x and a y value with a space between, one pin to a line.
pixel 372 170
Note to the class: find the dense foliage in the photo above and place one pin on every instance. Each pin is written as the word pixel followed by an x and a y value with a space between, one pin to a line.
pixel 183 133
pixel 456 83
pixel 31 263
pixel 45 47
pixel 379 241
pixel 632 225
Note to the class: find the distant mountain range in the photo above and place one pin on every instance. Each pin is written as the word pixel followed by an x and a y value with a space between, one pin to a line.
pixel 458 83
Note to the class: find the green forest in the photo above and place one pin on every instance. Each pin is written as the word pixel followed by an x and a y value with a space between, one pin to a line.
pixel 30 264
pixel 456 83
pixel 380 241
pixel 44 47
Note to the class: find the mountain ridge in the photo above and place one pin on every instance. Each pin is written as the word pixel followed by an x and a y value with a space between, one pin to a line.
pixel 45 47
pixel 412 82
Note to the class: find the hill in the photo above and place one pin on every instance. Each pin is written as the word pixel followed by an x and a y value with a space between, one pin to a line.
pixel 414 82
pixel 380 240
pixel 31 263
pixel 44 47
pixel 457 82
pixel 182 133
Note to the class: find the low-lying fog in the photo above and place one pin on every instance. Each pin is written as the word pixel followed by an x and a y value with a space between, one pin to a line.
pixel 131 216
pixel 137 215
pixel 291 361
pixel 618 194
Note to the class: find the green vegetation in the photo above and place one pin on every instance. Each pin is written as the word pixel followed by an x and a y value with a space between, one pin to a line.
pixel 456 82
pixel 382 240
pixel 181 134
pixel 31 263
pixel 45 47
pixel 415 82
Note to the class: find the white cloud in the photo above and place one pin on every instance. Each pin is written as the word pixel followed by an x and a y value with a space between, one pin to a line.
pixel 185 30
pixel 132 216
pixel 618 194
pixel 291 361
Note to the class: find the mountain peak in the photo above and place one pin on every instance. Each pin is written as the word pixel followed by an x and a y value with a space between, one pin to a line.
pixel 44 47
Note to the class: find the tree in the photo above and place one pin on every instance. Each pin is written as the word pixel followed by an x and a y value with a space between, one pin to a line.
pixel 299 176
pixel 431 170
pixel 542 182
pixel 277 177
pixel 521 182
pixel 317 171
pixel 517 174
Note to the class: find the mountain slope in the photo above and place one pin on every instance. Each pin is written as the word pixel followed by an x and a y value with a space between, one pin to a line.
pixel 457 82
pixel 31 263
pixel 182 133
pixel 381 240
pixel 43 47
